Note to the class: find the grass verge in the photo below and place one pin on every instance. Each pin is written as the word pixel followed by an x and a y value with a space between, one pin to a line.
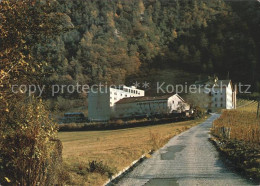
pixel 91 157
pixel 245 157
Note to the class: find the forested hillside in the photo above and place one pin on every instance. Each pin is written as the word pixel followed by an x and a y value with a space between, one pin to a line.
pixel 111 40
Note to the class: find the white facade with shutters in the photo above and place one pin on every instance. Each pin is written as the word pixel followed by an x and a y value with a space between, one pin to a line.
pixel 222 94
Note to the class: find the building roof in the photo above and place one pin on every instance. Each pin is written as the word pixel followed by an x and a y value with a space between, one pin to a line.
pixel 145 98
pixel 220 83
pixel 223 82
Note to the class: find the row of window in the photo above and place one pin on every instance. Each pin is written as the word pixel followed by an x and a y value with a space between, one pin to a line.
pixel 132 91
pixel 216 93
pixel 111 98
pixel 221 105
pixel 221 99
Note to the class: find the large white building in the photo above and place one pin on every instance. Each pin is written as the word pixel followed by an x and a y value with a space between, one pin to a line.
pixel 150 106
pixel 101 101
pixel 222 93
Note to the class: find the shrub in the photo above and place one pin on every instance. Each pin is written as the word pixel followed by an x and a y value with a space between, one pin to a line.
pixel 29 151
pixel 199 112
pixel 119 122
pixel 101 168
pixel 63 104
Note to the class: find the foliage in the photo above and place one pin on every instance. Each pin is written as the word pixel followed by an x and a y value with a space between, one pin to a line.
pixel 114 40
pixel 24 24
pixel 101 168
pixel 198 99
pixel 198 102
pixel 29 150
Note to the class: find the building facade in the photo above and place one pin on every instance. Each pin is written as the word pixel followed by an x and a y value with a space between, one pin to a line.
pixel 149 106
pixel 222 93
pixel 101 101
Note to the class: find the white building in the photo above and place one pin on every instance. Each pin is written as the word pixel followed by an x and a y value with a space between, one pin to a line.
pixel 149 106
pixel 101 101
pixel 222 93
pixel 121 92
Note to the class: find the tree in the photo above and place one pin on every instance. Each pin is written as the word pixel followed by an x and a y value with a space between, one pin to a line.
pixel 27 144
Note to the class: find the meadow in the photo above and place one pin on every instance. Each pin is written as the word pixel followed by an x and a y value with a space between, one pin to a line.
pixel 91 157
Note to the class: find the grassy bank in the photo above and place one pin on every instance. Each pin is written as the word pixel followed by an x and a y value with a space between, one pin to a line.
pixel 111 151
pixel 239 133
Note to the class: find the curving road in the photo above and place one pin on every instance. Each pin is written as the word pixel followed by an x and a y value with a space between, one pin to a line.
pixel 187 159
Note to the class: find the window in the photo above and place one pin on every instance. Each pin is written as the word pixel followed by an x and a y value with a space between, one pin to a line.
pixel 221 105
pixel 221 99
pixel 216 99
pixel 216 105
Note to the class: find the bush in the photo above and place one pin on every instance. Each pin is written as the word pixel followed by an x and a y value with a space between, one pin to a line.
pixel 199 112
pixel 94 167
pixel 101 168
pixel 29 151
pixel 119 122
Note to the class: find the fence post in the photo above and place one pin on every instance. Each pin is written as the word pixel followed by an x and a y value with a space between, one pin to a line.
pixel 258 106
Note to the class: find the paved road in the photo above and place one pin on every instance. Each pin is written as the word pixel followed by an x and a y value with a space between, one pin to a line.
pixel 187 159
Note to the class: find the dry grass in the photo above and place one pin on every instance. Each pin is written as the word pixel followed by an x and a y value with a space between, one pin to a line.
pixel 242 123
pixel 238 132
pixel 115 148
pixel 250 106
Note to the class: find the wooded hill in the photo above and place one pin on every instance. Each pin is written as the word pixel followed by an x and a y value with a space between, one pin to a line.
pixel 112 40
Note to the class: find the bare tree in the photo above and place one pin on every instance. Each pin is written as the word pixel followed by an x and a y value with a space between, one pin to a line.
pixel 201 100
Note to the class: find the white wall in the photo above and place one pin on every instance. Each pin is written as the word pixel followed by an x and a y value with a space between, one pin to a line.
pixel 175 104
pixel 100 103
pixel 221 98
pixel 117 94
pixel 149 107
pixel 98 106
